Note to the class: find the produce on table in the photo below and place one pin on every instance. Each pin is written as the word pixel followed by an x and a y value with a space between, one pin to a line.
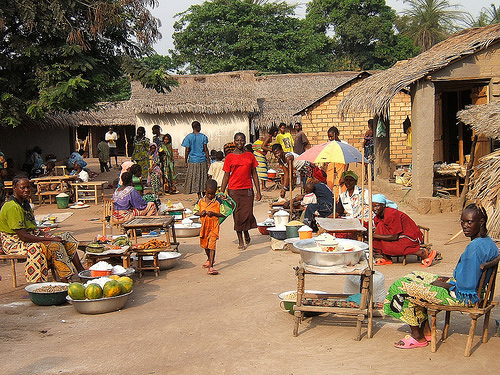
pixel 152 244
pixel 76 291
pixel 122 241
pixel 93 291
pixel 111 289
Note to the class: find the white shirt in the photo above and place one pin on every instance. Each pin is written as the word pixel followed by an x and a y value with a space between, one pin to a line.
pixel 352 204
pixel 84 176
pixel 111 138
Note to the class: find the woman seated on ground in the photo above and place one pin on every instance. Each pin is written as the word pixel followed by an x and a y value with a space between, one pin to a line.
pixel 396 234
pixel 127 202
pixel 324 198
pixel 19 235
pixel 350 203
pixel 461 289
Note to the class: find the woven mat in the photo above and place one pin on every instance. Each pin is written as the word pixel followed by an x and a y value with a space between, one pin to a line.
pixel 61 216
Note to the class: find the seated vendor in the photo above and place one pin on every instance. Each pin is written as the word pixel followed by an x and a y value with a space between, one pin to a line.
pixel 324 198
pixel 461 289
pixel 350 203
pixel 19 235
pixel 396 234
pixel 127 202
pixel 83 175
pixel 283 160
pixel 74 157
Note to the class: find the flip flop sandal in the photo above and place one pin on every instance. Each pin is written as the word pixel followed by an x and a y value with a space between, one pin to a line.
pixel 427 262
pixel 206 264
pixel 410 343
pixel 212 271
pixel 383 262
pixel 241 247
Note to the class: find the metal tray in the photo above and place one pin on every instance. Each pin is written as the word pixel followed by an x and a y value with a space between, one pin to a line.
pixel 99 306
pixel 312 255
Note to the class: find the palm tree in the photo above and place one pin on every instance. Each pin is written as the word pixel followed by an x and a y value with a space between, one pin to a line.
pixel 487 16
pixel 431 21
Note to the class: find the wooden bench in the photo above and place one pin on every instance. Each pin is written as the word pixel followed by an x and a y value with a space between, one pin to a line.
pixel 13 258
pixel 90 190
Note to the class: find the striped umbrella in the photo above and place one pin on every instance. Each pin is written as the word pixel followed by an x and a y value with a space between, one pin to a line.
pixel 332 152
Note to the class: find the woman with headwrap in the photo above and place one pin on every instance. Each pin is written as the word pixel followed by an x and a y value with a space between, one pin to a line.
pixel 154 175
pixel 324 198
pixel 396 234
pixel 353 204
pixel 140 153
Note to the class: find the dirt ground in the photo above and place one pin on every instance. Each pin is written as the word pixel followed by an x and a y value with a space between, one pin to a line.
pixel 187 322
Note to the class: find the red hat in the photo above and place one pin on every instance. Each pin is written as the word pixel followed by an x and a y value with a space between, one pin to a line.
pixel 319 175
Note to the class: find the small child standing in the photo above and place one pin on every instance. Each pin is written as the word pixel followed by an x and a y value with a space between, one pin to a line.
pixel 215 171
pixel 209 210
pixel 309 196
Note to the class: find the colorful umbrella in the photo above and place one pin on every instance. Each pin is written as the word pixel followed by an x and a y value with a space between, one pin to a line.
pixel 332 152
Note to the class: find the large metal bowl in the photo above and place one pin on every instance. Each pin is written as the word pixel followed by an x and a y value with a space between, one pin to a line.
pixel 277 233
pixel 312 255
pixel 99 306
pixel 167 259
pixel 182 232
pixel 46 299
pixel 85 274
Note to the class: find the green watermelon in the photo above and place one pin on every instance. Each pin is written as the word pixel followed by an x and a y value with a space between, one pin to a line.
pixel 76 291
pixel 93 291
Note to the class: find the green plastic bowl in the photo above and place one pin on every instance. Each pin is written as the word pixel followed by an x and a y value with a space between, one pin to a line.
pixel 287 303
pixel 46 299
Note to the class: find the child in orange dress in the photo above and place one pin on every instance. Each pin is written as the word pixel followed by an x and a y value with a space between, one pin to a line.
pixel 209 210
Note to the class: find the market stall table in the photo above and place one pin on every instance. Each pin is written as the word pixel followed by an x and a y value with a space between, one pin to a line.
pixel 93 258
pixel 326 305
pixel 88 191
pixel 44 184
pixel 333 226
pixel 159 222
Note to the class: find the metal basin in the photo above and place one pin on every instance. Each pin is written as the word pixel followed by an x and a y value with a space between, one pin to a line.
pixel 85 274
pixel 167 259
pixel 312 255
pixel 277 233
pixel 46 299
pixel 182 232
pixel 99 306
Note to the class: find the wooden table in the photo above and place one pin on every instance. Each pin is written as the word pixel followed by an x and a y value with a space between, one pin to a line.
pixel 333 226
pixel 43 185
pixel 140 261
pixel 90 187
pixel 365 309
pixel 94 258
pixel 159 222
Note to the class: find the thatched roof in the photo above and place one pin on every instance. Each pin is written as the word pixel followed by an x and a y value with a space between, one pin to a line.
pixel 483 118
pixel 110 114
pixel 374 94
pixel 208 93
pixel 283 95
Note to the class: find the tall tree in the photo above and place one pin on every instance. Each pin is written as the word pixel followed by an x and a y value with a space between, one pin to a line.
pixel 228 35
pixel 487 16
pixel 362 32
pixel 69 55
pixel 431 21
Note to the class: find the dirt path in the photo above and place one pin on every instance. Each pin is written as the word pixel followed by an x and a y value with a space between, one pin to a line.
pixel 186 322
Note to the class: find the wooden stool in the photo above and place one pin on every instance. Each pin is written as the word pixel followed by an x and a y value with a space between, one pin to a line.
pixel 140 261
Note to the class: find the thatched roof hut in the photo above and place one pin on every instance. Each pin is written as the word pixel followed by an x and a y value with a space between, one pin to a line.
pixel 484 118
pixel 375 93
pixel 109 114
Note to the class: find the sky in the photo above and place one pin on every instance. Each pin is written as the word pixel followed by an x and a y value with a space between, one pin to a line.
pixel 167 9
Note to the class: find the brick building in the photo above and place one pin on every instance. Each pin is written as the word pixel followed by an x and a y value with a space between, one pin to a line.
pixel 323 113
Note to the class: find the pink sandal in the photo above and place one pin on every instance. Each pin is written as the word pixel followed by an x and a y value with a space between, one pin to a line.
pixel 212 271
pixel 410 343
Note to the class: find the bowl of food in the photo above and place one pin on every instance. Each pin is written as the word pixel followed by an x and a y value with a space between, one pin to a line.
pixel 85 275
pixel 289 299
pixel 182 231
pixel 99 306
pixel 101 269
pixel 46 294
pixel 94 247
pixel 166 259
pixel 278 233
pixel 265 225
pixel 312 253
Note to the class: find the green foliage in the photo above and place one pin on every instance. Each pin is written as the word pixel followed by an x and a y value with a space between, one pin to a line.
pixel 431 21
pixel 228 35
pixel 488 16
pixel 68 55
pixel 362 33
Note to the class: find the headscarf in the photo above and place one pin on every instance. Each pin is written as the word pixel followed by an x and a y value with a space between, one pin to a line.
pixel 380 198
pixel 81 163
pixel 319 175
pixel 350 174
pixel 125 168
pixel 155 153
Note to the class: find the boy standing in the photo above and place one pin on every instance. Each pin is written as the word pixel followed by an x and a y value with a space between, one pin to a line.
pixel 215 171
pixel 209 210
pixel 103 155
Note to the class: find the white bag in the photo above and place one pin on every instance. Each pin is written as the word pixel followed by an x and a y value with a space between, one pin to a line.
pixel 353 283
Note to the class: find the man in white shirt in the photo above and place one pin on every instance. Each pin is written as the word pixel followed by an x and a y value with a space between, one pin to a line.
pixel 111 138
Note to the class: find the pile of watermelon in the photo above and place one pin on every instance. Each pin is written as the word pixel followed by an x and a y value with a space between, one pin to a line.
pixel 111 288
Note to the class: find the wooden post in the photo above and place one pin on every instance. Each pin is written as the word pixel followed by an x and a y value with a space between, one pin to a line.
pixel 370 218
pixel 290 183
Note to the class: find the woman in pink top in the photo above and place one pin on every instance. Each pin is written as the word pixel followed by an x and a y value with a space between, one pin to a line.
pixel 240 175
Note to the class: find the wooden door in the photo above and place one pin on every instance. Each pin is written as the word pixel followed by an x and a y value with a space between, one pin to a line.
pixel 438 128
pixel 479 95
